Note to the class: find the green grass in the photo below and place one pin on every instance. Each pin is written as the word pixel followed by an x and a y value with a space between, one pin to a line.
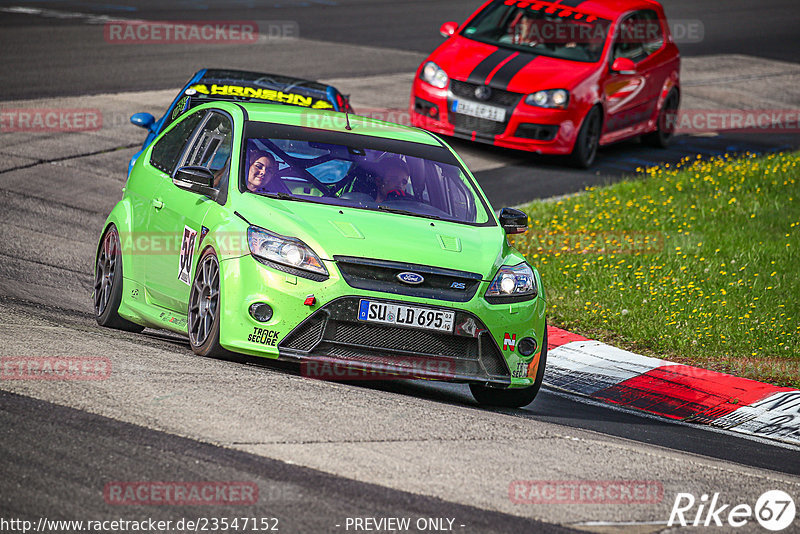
pixel 697 264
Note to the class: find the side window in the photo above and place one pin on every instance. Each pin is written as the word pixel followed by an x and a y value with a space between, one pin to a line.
pixel 212 146
pixel 638 36
pixel 654 36
pixel 167 150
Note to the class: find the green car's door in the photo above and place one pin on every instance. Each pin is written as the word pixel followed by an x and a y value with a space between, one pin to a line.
pixel 177 214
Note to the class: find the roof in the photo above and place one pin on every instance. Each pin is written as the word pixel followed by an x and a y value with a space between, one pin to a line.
pixel 607 9
pixel 228 84
pixel 331 121
pixel 261 79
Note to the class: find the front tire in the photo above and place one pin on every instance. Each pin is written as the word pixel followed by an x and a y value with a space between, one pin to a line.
pixel 585 151
pixel 108 284
pixel 667 118
pixel 203 316
pixel 513 398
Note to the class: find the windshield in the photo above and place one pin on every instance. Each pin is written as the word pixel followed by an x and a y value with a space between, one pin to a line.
pixel 366 178
pixel 560 32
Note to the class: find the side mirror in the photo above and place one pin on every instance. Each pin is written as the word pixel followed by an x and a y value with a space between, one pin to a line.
pixel 448 29
pixel 513 221
pixel 195 179
pixel 623 65
pixel 143 120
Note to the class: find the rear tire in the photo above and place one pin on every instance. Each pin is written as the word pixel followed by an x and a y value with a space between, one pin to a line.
pixel 585 151
pixel 203 316
pixel 513 398
pixel 108 284
pixel 667 118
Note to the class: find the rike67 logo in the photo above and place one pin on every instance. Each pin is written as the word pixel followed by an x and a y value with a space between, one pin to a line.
pixel 774 510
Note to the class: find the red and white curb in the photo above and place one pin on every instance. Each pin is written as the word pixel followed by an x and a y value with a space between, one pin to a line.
pixel 593 369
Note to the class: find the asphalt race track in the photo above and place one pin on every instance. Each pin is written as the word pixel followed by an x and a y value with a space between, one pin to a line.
pixel 320 453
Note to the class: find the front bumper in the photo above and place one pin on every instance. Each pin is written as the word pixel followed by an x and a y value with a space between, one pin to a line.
pixel 545 131
pixel 478 351
pixel 334 332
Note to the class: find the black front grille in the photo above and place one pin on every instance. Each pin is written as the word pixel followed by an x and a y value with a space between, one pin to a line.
pixel 404 340
pixel 474 124
pixel 334 331
pixel 498 97
pixel 381 275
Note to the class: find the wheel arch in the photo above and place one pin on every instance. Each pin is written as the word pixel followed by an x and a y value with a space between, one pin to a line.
pixel 597 104
pixel 121 218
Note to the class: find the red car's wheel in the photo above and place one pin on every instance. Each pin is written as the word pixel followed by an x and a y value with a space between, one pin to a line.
pixel 667 119
pixel 585 151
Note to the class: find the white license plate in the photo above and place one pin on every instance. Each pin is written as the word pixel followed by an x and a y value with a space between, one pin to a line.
pixel 397 314
pixel 481 111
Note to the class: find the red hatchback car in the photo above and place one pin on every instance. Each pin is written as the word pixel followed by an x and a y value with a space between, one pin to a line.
pixel 557 77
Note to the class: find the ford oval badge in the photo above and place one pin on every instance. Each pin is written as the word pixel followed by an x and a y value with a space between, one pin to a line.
pixel 410 278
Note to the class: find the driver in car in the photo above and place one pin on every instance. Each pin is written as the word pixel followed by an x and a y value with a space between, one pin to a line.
pixel 393 180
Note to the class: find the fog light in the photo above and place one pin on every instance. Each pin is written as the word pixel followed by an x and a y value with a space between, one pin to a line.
pixel 261 312
pixel 527 346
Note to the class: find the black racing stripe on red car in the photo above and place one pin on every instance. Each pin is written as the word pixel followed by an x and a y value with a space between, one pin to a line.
pixel 489 63
pixel 506 73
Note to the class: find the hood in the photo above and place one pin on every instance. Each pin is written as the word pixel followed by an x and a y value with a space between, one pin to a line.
pixel 465 59
pixel 338 231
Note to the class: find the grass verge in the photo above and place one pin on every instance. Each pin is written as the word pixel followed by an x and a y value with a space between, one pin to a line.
pixel 697 264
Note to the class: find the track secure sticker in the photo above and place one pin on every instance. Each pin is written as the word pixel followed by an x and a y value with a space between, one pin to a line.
pixel 509 341
pixel 262 94
pixel 263 336
pixel 521 371
pixel 187 253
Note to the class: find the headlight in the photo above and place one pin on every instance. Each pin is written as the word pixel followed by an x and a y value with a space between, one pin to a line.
pixel 287 251
pixel 552 98
pixel 434 75
pixel 512 283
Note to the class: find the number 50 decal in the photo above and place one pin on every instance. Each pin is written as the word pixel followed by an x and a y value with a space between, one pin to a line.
pixel 187 253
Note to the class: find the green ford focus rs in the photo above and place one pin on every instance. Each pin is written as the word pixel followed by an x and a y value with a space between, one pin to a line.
pixel 358 248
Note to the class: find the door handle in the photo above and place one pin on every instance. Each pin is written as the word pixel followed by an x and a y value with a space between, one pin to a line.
pixel 157 204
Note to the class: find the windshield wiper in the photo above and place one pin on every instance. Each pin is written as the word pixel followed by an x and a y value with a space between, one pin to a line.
pixel 390 209
pixel 284 196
